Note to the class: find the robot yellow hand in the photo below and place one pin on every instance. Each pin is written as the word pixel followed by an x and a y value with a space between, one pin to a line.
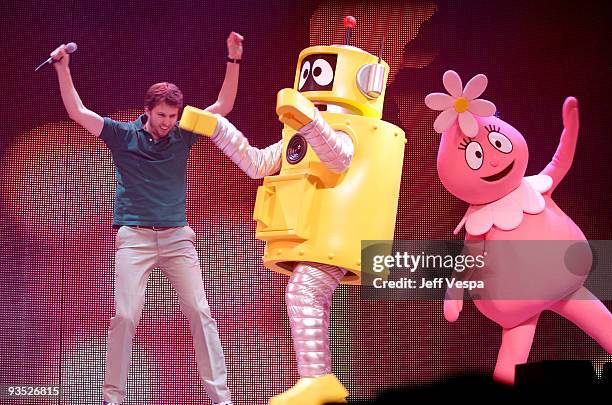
pixel 198 121
pixel 294 109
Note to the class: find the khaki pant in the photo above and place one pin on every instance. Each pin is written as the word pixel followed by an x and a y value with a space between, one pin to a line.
pixel 139 251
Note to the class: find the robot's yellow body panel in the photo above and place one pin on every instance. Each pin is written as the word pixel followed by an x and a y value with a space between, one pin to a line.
pixel 307 213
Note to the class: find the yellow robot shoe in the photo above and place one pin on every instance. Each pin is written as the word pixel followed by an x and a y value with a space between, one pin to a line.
pixel 313 391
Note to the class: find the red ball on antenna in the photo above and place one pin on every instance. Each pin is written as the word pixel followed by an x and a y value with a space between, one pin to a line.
pixel 349 21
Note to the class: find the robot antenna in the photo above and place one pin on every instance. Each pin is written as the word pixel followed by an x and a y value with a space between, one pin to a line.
pixel 349 24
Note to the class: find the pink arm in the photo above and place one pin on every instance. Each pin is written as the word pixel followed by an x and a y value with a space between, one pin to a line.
pixel 453 299
pixel 562 161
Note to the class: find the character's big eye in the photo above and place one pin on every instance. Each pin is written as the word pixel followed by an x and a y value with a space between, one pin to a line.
pixel 322 72
pixel 304 74
pixel 473 155
pixel 500 142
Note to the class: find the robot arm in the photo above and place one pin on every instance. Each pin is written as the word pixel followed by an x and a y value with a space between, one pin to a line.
pixel 256 163
pixel 334 148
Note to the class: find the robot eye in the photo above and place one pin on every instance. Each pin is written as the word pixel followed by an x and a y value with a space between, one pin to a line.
pixel 473 155
pixel 322 72
pixel 500 142
pixel 304 74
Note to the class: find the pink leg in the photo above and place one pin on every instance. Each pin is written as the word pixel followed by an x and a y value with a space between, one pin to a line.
pixel 589 314
pixel 308 298
pixel 515 347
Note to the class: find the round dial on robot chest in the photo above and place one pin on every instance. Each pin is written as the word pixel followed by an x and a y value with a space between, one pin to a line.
pixel 296 149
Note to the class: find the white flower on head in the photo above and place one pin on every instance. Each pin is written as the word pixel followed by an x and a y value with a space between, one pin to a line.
pixel 460 103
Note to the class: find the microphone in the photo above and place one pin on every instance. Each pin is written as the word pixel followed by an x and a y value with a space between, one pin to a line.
pixel 71 47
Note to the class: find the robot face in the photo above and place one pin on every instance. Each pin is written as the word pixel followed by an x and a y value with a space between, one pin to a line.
pixel 317 72
pixel 485 168
pixel 338 79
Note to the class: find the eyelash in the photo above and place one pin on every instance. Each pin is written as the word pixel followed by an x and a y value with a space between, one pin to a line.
pixel 492 128
pixel 463 146
pixel 466 141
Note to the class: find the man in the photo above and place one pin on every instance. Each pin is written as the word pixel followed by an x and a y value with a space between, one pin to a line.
pixel 150 155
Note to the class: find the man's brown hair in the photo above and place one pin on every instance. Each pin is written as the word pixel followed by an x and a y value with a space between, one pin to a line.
pixel 163 92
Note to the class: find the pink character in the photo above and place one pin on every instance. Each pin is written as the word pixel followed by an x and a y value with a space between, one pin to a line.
pixel 482 160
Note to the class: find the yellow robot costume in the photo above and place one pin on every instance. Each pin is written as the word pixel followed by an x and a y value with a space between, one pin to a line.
pixel 340 172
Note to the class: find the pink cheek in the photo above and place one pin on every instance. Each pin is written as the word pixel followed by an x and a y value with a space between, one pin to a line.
pixel 466 176
pixel 522 159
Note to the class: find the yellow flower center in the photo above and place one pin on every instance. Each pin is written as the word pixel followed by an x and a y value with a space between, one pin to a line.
pixel 461 104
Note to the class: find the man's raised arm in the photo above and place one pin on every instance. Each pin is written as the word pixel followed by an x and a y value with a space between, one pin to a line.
pixel 227 95
pixel 88 119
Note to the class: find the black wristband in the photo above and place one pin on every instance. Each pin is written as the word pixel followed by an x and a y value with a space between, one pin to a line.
pixel 230 60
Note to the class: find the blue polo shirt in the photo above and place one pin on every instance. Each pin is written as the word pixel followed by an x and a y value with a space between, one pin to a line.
pixel 151 175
